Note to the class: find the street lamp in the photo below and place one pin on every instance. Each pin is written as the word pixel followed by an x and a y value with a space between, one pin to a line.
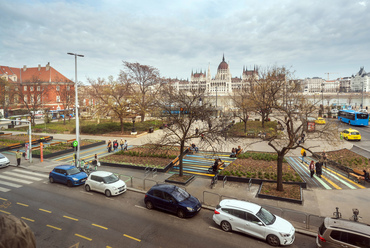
pixel 362 103
pixel 76 103
pixel 322 97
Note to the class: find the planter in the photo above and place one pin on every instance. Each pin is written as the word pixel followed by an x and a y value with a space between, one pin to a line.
pixel 182 183
pixel 47 138
pixel 259 195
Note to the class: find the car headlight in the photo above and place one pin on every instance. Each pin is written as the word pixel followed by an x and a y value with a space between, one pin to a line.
pixel 190 209
pixel 114 188
pixel 75 179
pixel 285 235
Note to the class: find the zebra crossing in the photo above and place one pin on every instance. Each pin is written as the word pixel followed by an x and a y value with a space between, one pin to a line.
pixel 17 178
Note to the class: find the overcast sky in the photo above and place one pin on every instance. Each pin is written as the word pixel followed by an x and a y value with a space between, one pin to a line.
pixel 310 37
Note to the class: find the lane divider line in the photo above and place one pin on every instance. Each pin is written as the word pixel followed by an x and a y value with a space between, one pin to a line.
pixel 347 179
pixel 22 204
pixel 44 210
pixel 102 227
pixel 28 219
pixel 4 212
pixel 65 216
pixel 57 228
pixel 78 235
pixel 127 236
pixel 3 199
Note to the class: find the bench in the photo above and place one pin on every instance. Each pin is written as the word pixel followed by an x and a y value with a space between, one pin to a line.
pixel 251 134
pixel 358 175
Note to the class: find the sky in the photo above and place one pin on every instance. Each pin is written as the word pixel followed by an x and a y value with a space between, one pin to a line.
pixel 328 39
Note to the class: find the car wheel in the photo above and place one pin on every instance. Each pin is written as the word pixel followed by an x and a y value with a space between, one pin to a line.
pixel 108 193
pixel 180 213
pixel 226 226
pixel 273 240
pixel 51 179
pixel 69 184
pixel 149 205
pixel 87 187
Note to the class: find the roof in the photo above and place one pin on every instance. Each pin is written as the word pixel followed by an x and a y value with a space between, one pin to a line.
pixel 248 206
pixel 353 226
pixel 41 74
pixel 223 65
pixel 101 173
pixel 165 187
pixel 64 167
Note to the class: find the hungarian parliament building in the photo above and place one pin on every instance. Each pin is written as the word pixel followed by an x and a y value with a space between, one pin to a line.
pixel 222 84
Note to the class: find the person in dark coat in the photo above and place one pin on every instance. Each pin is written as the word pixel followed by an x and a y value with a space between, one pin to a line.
pixel 312 168
pixel 318 168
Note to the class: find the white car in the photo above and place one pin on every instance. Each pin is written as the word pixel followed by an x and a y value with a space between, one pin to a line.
pixel 4 161
pixel 252 219
pixel 334 111
pixel 105 182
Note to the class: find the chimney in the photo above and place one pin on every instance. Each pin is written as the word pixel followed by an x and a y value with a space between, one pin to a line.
pixel 39 67
pixel 47 66
pixel 24 68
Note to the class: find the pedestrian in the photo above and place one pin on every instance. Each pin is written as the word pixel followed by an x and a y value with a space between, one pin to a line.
pixel 196 131
pixel 324 157
pixel 18 155
pixel 115 145
pixel 109 146
pixel 312 168
pixel 303 153
pixel 125 146
pixel 121 144
pixel 302 138
pixel 318 168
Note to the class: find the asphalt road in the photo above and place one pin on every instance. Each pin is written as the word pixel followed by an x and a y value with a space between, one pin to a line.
pixel 71 217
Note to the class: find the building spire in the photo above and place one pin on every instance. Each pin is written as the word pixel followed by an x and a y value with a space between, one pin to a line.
pixel 223 57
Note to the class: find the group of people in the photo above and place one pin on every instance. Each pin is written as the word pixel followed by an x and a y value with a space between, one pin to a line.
pixel 113 146
pixel 318 166
pixel 235 152
pixel 216 165
pixel 194 148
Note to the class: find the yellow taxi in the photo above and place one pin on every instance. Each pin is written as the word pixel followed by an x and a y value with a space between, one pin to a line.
pixel 351 134
pixel 320 121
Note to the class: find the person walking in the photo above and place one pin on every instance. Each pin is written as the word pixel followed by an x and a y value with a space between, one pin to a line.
pixel 303 153
pixel 324 157
pixel 312 168
pixel 318 168
pixel 115 145
pixel 18 155
pixel 125 146
pixel 109 146
pixel 121 144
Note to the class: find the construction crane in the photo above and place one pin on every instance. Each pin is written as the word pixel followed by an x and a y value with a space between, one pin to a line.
pixel 330 73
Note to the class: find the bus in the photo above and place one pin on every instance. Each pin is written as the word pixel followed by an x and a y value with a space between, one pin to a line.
pixel 353 117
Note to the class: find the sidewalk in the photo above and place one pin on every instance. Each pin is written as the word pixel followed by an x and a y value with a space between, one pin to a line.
pixel 317 202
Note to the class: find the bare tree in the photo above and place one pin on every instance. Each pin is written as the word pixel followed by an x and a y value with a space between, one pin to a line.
pixel 113 97
pixel 66 96
pixel 284 141
pixel 145 82
pixel 243 104
pixel 7 90
pixel 184 111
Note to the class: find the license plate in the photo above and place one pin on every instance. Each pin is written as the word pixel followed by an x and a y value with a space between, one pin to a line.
pixel 83 180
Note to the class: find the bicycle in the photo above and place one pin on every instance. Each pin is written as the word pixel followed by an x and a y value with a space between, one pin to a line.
pixel 214 180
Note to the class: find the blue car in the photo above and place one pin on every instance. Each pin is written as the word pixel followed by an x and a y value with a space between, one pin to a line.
pixel 173 199
pixel 67 174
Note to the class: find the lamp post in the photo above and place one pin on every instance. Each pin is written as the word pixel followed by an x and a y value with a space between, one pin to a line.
pixel 133 131
pixel 76 103
pixel 362 102
pixel 322 97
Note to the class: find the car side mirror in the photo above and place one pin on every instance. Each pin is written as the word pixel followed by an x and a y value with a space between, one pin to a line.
pixel 260 223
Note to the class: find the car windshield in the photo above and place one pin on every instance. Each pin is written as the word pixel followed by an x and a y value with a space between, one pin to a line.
pixel 355 133
pixel 2 156
pixel 111 179
pixel 180 194
pixel 267 217
pixel 73 171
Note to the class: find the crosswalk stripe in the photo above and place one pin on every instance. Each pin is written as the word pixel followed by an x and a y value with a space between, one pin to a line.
pixel 31 173
pixel 15 179
pixel 22 176
pixel 14 185
pixel 4 189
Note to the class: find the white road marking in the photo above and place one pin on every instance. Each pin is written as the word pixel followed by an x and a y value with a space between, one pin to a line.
pixel 218 229
pixel 31 173
pixel 22 176
pixel 4 189
pixel 88 193
pixel 140 207
pixel 14 185
pixel 15 179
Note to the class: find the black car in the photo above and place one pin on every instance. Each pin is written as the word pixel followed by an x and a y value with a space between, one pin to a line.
pixel 173 199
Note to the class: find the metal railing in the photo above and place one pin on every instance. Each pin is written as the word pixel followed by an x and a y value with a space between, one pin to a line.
pixel 224 181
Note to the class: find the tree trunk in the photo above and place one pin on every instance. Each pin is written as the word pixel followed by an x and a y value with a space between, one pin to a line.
pixel 245 126
pixel 121 122
pixel 142 117
pixel 180 158
pixel 279 186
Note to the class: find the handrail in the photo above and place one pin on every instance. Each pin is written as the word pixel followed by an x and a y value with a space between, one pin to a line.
pixel 250 184
pixel 154 172
pixel 225 180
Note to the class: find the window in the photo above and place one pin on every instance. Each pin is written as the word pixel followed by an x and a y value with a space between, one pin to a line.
pixel 25 99
pixel 252 218
pixel 38 88
pixel 31 88
pixel 58 98
pixel 7 99
pixel 6 88
pixel 32 98
pixel 25 88
pixel 16 88
pixel 68 88
pixel 158 194
pixel 16 99
pixel 38 98
pixel 58 88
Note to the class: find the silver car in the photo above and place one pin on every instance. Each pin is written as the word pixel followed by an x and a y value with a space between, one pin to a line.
pixel 4 161
pixel 105 182
pixel 252 219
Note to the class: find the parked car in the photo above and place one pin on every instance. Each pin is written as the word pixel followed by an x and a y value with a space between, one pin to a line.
pixel 4 161
pixel 172 199
pixel 105 182
pixel 252 219
pixel 320 120
pixel 67 174
pixel 351 134
pixel 334 111
pixel 343 233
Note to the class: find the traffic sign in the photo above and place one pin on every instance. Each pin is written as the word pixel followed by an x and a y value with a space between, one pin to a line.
pixel 75 143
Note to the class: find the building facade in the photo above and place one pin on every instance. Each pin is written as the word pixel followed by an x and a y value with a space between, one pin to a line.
pixel 361 81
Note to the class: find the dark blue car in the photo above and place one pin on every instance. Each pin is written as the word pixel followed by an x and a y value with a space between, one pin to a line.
pixel 67 174
pixel 173 199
